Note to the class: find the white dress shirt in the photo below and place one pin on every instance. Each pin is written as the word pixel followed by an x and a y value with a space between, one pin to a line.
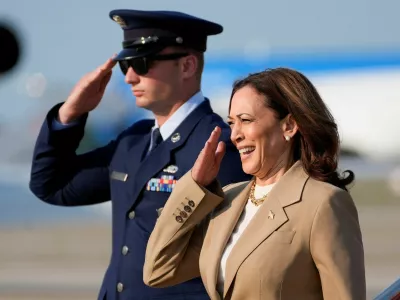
pixel 247 215
pixel 178 117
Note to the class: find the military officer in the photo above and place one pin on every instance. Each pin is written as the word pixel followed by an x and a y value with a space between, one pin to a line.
pixel 162 59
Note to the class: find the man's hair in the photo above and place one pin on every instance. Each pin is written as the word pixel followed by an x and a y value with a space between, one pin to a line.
pixel 200 59
pixel 200 63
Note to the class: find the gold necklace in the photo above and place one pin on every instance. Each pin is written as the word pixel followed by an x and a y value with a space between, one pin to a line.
pixel 253 199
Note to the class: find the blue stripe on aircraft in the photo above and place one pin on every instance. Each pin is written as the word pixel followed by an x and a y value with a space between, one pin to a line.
pixel 313 62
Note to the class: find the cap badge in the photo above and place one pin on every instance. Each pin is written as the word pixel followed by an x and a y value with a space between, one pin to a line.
pixel 119 20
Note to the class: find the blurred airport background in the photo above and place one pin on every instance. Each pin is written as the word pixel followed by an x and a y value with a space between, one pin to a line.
pixel 350 49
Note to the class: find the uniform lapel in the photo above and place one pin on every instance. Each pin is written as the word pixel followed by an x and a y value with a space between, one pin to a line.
pixel 137 148
pixel 154 162
pixel 269 217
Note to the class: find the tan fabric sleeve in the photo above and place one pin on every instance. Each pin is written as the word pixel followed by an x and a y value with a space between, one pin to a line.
pixel 337 248
pixel 173 250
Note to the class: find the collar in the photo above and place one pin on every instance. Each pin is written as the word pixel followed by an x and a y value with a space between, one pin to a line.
pixel 179 116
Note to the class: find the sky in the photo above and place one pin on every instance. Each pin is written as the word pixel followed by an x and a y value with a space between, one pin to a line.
pixel 63 40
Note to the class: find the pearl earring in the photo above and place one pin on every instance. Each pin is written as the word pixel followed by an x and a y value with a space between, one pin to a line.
pixel 287 138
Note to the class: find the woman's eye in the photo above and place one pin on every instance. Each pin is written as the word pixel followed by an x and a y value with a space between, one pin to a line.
pixel 246 120
pixel 230 123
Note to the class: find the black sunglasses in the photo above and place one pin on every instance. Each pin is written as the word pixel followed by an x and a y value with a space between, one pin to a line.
pixel 141 65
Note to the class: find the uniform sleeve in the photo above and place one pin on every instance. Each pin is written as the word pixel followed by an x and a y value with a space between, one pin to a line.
pixel 173 250
pixel 61 177
pixel 337 248
pixel 56 125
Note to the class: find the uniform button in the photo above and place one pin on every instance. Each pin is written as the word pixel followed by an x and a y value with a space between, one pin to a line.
pixel 191 203
pixel 125 250
pixel 179 219
pixel 120 287
pixel 183 214
pixel 187 208
pixel 132 215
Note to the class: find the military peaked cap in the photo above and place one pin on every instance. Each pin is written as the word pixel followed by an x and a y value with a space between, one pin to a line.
pixel 148 32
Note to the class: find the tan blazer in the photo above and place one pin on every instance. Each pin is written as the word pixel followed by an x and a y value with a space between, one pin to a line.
pixel 304 242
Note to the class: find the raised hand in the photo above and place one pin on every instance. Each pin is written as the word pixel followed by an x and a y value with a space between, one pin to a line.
pixel 87 93
pixel 208 162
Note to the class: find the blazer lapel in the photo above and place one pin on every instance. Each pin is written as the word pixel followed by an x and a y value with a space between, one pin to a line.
pixel 269 218
pixel 222 224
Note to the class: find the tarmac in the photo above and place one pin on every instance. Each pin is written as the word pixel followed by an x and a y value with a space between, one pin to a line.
pixel 68 261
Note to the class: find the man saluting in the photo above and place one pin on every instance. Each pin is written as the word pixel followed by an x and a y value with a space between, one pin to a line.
pixel 162 59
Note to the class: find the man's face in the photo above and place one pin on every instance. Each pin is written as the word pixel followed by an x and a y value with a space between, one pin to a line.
pixel 157 89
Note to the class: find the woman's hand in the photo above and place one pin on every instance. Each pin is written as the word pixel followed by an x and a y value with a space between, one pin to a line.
pixel 206 167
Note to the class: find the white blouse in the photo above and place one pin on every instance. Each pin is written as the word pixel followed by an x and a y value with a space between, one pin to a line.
pixel 244 220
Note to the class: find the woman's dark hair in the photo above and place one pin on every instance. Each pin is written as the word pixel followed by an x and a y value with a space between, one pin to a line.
pixel 317 142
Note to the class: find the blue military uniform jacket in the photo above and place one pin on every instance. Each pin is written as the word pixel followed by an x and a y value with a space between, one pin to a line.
pixel 137 184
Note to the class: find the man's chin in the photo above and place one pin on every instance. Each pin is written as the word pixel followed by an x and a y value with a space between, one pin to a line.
pixel 142 102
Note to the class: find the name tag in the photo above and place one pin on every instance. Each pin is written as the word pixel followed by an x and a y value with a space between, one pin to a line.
pixel 119 176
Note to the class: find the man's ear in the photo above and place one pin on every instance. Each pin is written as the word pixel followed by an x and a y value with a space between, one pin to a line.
pixel 189 65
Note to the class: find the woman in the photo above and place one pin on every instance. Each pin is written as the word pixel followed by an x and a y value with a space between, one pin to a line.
pixel 290 233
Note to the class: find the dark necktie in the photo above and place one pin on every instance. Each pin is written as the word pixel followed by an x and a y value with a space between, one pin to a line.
pixel 157 138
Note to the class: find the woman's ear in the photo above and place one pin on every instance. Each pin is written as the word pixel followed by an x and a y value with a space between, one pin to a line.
pixel 289 127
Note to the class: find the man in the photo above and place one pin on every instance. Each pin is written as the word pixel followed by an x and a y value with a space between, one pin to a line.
pixel 162 59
